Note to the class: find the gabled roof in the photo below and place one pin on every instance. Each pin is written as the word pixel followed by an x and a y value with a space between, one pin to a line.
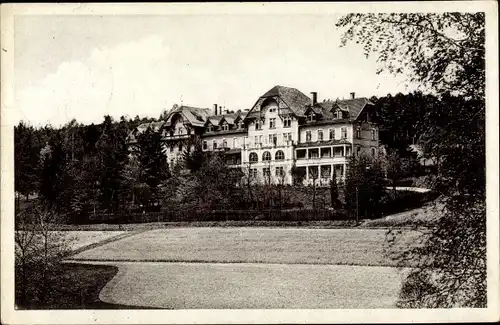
pixel 196 116
pixel 214 119
pixel 155 126
pixel 294 99
pixel 353 106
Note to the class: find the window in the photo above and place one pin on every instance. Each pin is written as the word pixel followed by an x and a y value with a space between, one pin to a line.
pixel 210 128
pixel 258 125
pixel 205 145
pixel 260 139
pixel 280 172
pixel 272 123
pixel 339 114
pixel 270 138
pixel 311 116
pixel 332 134
pixel 235 142
pixel 266 156
pixel 272 109
pixel 188 131
pixel 320 135
pixel 240 124
pixel 256 140
pixel 171 133
pixel 287 122
pixel 358 132
pixel 358 150
pixel 253 158
pixel 224 143
pixel 373 134
pixel 280 155
pixel 344 133
pixel 171 148
pixel 225 126
pixel 253 173
pixel 308 136
pixel 215 145
pixel 274 139
pixel 373 152
pixel 180 146
pixel 266 172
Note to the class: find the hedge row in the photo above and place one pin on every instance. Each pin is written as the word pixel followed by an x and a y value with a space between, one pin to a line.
pixel 219 215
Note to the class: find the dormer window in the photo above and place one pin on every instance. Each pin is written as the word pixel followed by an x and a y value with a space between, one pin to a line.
pixel 240 124
pixel 339 114
pixel 287 122
pixel 311 116
pixel 210 128
pixel 225 126
pixel 373 134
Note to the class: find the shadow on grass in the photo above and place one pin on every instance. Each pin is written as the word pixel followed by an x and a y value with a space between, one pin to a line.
pixel 72 286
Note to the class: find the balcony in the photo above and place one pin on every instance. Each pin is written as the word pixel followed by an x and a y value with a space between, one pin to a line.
pixel 168 137
pixel 278 144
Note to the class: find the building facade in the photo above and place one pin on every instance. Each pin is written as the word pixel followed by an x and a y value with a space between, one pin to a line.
pixel 285 135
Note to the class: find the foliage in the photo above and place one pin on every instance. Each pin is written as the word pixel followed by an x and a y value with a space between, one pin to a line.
pixel 113 155
pixel 152 159
pixel 38 252
pixel 445 51
pixel 364 186
pixel 27 152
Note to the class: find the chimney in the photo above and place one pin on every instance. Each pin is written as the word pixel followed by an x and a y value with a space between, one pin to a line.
pixel 353 94
pixel 314 98
pixel 215 109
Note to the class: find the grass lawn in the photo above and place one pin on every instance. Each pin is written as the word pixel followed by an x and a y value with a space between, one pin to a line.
pixel 262 286
pixel 75 286
pixel 251 245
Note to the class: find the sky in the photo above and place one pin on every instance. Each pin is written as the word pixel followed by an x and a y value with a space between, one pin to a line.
pixel 84 67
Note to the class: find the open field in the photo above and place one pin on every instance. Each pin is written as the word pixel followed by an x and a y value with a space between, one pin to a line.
pixel 250 245
pixel 209 286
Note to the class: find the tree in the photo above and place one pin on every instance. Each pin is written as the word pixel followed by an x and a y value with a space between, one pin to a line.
pixel 444 50
pixel 447 52
pixel 334 192
pixel 113 154
pixel 27 153
pixel 152 159
pixel 53 167
pixel 39 250
pixel 364 186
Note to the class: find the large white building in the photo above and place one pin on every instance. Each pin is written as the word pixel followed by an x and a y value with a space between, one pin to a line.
pixel 284 130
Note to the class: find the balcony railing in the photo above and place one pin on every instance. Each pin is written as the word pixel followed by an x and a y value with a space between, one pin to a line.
pixel 176 137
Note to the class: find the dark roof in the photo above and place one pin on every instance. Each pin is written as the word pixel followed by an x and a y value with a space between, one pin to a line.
pixel 195 115
pixel 229 118
pixel 353 106
pixel 293 98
